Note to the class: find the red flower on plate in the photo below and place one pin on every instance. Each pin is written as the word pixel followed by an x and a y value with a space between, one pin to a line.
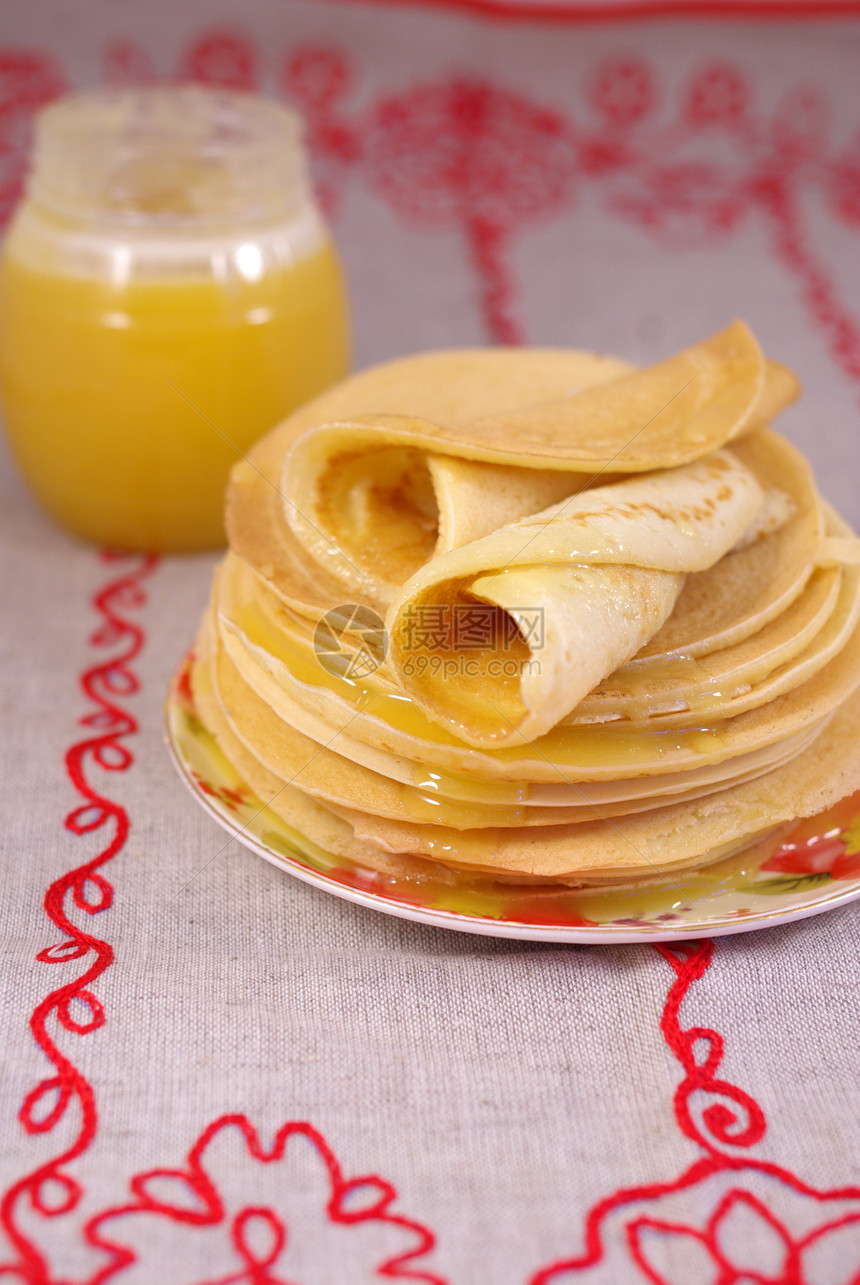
pixel 232 799
pixel 823 856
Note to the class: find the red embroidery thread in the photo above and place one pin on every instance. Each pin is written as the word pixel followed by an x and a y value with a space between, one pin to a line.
pixel 734 1120
pixel 376 1197
pixel 29 79
pixel 319 80
pixel 481 158
pixel 651 178
pixel 222 58
pixel 471 154
pixel 105 685
pixel 599 12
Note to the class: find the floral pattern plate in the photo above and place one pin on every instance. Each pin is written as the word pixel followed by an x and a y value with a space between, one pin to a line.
pixel 812 868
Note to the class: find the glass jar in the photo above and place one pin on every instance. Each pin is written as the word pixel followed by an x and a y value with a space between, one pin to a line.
pixel 168 292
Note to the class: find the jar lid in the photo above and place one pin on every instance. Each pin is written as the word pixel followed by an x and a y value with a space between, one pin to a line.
pixel 173 156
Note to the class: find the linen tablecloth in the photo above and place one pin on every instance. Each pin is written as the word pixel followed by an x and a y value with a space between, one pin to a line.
pixel 212 1072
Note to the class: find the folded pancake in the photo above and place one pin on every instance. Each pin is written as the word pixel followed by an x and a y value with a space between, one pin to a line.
pixel 700 609
pixel 376 724
pixel 374 499
pixel 717 608
pixel 754 584
pixel 596 576
pixel 802 638
pixel 439 449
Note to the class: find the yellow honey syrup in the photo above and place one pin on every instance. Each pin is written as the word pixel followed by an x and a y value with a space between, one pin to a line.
pixel 163 303
pixel 126 406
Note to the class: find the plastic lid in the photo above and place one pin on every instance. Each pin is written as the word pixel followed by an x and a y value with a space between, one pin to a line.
pixel 169 156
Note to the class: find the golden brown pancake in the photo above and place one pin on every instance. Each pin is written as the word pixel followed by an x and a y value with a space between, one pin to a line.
pixel 697 671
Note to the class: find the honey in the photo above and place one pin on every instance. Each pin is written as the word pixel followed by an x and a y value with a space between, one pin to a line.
pixel 159 312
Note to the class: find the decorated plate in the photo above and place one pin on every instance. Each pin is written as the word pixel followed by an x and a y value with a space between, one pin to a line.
pixel 809 869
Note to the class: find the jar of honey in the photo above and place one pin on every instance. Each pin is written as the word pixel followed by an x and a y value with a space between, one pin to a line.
pixel 168 292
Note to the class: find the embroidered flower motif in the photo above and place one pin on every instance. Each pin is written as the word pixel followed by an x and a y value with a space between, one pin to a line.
pixel 319 79
pixel 687 203
pixel 743 1242
pixel 718 96
pixel 222 58
pixel 471 154
pixel 767 1232
pixel 623 92
pixel 268 1213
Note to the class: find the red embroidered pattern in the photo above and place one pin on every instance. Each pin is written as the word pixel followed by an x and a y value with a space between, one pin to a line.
pixel 472 155
pixel 562 11
pixel 468 154
pixel 28 80
pixel 257 1235
pixel 476 156
pixel 722 1119
pixel 51 1189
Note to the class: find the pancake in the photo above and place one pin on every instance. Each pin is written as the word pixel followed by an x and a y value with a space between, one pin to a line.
pixel 751 586
pixel 606 568
pixel 555 788
pixel 682 684
pixel 685 835
pixel 700 649
pixel 446 414
pixel 337 778
pixel 670 838
pixel 346 485
pixel 374 711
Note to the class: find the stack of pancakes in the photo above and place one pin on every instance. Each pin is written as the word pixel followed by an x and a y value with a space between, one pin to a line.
pixel 535 616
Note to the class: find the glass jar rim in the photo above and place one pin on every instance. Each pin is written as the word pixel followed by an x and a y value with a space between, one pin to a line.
pixel 173 156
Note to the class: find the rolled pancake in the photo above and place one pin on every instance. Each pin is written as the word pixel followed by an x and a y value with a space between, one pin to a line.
pixel 606 567
pixel 750 587
pixel 559 788
pixel 448 388
pixel 303 693
pixel 717 608
pixel 375 498
pixel 731 678
pixel 450 392
pixel 716 731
